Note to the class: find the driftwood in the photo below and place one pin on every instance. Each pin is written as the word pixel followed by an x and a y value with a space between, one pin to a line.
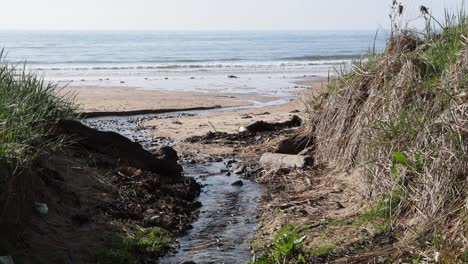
pixel 116 146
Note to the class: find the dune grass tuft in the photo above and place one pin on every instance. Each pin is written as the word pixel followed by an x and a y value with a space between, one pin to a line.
pixel 403 116
pixel 29 107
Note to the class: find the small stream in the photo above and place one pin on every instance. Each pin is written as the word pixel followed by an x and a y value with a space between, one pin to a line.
pixel 227 218
pixel 226 222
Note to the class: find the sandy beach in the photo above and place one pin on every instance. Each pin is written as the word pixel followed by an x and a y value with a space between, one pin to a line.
pixel 114 99
pixel 117 99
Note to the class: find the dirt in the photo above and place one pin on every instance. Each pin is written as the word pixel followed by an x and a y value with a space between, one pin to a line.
pixel 91 200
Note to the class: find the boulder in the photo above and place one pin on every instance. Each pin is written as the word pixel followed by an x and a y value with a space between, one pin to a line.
pixel 165 153
pixel 119 148
pixel 276 160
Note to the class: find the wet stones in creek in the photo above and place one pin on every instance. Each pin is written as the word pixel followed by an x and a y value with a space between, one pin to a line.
pixel 238 183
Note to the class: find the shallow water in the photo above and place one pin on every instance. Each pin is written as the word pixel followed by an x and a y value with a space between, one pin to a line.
pixel 227 217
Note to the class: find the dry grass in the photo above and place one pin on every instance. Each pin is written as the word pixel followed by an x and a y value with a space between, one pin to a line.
pixel 403 116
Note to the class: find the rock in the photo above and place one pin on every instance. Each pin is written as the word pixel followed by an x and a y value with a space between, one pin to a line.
pixel 261 126
pixel 239 170
pixel 295 144
pixel 228 173
pixel 117 147
pixel 187 262
pixel 122 81
pixel 243 129
pixel 165 153
pixel 230 162
pixel 232 77
pixel 41 208
pixel 238 183
pixel 150 211
pixel 275 160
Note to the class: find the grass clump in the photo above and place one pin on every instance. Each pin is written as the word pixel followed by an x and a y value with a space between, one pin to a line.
pixel 402 116
pixel 29 107
pixel 134 245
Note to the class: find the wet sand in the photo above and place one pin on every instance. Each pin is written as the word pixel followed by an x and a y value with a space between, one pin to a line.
pixel 118 99
pixel 115 99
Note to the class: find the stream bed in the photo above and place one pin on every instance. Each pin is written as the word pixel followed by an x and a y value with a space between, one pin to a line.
pixel 227 217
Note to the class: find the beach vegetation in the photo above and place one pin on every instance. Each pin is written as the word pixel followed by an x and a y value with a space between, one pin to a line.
pixel 401 116
pixel 29 107
pixel 286 247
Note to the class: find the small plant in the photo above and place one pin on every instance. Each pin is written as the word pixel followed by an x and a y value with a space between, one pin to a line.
pixel 286 247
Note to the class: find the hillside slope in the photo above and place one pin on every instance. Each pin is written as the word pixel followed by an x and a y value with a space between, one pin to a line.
pixel 390 179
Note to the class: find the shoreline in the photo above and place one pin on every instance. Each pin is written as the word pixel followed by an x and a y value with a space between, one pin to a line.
pixel 87 115
pixel 128 101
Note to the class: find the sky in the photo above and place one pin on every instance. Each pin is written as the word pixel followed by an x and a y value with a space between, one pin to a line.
pixel 201 15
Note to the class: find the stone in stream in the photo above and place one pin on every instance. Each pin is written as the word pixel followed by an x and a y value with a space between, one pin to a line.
pixel 238 169
pixel 238 183
pixel 276 160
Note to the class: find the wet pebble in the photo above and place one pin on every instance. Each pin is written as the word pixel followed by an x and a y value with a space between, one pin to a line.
pixel 239 170
pixel 238 183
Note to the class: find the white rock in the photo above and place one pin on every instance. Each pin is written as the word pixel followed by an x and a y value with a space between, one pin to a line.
pixel 276 160
pixel 243 129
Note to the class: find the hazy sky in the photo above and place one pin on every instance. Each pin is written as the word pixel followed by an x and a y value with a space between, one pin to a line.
pixel 205 14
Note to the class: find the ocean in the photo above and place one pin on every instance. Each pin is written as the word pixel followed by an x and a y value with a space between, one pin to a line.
pixel 264 62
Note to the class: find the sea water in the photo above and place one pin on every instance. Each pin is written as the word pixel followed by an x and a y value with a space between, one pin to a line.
pixel 239 62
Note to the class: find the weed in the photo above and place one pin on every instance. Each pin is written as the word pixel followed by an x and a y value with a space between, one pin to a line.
pixel 286 247
pixel 322 251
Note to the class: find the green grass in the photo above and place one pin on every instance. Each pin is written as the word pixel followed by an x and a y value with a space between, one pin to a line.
pixel 133 245
pixel 286 247
pixel 28 108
